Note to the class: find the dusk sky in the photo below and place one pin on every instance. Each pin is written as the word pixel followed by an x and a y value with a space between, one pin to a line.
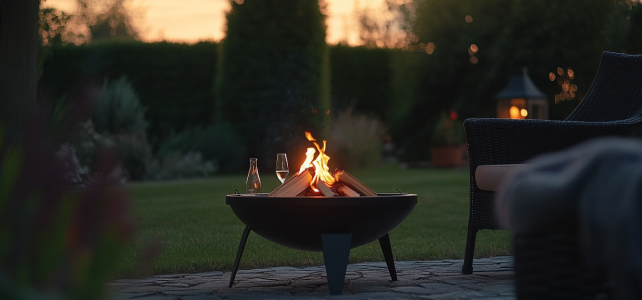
pixel 193 20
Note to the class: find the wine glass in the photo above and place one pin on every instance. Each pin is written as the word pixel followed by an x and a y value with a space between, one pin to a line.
pixel 282 169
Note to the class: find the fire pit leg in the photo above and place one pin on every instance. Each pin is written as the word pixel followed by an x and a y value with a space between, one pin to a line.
pixel 239 253
pixel 384 242
pixel 336 251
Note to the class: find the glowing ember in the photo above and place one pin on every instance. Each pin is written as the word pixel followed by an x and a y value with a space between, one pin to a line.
pixel 320 164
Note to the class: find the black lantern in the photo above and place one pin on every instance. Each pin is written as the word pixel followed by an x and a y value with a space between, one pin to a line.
pixel 521 99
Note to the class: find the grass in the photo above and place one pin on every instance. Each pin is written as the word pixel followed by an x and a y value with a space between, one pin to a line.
pixel 194 230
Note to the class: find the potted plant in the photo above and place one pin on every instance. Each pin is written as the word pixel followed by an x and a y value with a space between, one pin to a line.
pixel 447 139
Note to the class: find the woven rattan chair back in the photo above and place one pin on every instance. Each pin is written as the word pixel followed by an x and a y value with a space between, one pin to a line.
pixel 616 93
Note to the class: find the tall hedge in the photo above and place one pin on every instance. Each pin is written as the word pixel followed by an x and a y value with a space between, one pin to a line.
pixel 273 73
pixel 362 79
pixel 174 81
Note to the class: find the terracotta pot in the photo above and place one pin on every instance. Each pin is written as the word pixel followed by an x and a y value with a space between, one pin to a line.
pixel 446 156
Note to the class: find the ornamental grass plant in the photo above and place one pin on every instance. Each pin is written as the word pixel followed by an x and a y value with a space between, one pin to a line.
pixel 355 141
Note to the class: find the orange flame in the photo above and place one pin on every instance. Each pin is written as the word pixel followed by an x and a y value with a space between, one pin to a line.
pixel 322 172
pixel 321 169
pixel 309 156
pixel 309 137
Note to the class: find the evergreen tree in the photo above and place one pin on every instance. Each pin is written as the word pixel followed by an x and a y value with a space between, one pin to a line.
pixel 273 77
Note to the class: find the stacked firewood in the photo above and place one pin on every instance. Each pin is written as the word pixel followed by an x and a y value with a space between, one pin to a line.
pixel 301 185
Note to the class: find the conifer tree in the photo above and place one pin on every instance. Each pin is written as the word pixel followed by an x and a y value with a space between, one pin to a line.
pixel 273 77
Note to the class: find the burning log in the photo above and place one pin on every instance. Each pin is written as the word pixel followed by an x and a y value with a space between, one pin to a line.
pixel 293 186
pixel 315 179
pixel 344 190
pixel 325 189
pixel 354 183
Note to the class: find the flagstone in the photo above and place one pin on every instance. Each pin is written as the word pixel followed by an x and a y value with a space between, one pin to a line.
pixel 493 279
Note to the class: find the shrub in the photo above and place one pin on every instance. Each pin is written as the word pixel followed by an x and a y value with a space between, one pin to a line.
pixel 174 81
pixel 217 143
pixel 89 142
pixel 133 150
pixel 119 125
pixel 135 154
pixel 355 141
pixel 75 174
pixel 118 109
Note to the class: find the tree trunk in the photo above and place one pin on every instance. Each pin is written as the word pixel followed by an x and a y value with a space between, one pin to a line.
pixel 18 64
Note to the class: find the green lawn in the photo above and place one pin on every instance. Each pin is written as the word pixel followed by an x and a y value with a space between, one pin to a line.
pixel 193 230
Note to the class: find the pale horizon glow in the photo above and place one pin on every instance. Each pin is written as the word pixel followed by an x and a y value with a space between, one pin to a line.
pixel 190 21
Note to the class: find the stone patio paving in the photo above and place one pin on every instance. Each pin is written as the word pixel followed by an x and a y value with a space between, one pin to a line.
pixel 441 279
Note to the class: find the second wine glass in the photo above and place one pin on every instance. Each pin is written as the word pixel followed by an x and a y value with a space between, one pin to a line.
pixel 282 169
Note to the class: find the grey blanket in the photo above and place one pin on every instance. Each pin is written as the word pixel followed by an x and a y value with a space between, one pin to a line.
pixel 600 182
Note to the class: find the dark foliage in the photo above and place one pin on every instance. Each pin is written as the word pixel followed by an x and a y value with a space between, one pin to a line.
pixel 539 35
pixel 57 242
pixel 134 154
pixel 173 80
pixel 273 78
pixel 216 143
pixel 52 26
pixel 361 80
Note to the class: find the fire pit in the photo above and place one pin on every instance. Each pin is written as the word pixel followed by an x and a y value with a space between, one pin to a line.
pixel 332 225
pixel 317 210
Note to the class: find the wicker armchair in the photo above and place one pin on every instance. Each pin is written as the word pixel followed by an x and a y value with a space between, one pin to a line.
pixel 613 106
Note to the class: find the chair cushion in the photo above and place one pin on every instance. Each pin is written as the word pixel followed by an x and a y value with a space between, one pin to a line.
pixel 489 177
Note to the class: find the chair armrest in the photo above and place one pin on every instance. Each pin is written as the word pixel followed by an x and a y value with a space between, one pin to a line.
pixel 507 141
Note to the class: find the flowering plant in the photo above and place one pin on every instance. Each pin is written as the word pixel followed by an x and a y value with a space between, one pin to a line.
pixel 63 226
pixel 58 242
pixel 448 131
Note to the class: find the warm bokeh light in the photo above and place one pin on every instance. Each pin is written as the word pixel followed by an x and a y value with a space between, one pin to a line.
pixel 551 76
pixel 570 73
pixel 430 48
pixel 520 108
pixel 473 60
pixel 193 20
pixel 515 113
pixel 565 81
pixel 468 19
pixel 474 48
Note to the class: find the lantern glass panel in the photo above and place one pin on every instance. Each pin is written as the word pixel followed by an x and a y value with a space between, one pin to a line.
pixel 537 109
pixel 512 109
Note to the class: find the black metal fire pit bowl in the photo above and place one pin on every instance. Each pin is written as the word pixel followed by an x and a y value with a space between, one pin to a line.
pixel 332 225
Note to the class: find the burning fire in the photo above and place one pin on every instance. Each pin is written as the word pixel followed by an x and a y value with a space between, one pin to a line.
pixel 322 171
pixel 314 178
